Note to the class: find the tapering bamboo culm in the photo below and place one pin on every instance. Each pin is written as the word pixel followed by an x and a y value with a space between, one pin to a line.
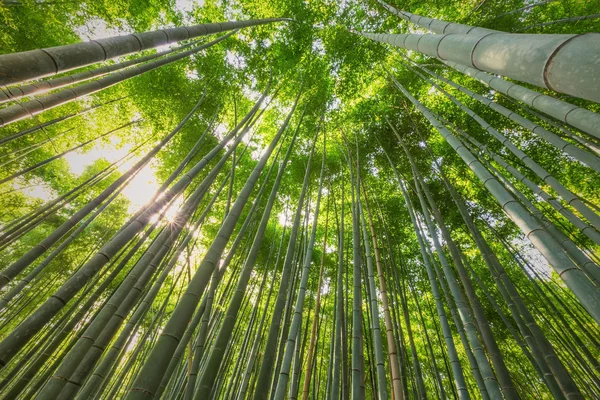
pixel 34 64
pixel 573 277
pixel 296 323
pixel 10 345
pixel 30 108
pixel 551 58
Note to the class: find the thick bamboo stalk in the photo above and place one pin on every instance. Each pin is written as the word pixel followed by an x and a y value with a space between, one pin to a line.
pixel 578 117
pixel 37 88
pixel 567 64
pixel 589 159
pixel 30 108
pixel 34 64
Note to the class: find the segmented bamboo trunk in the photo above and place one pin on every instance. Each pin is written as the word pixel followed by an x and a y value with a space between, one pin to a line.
pixel 459 379
pixel 34 64
pixel 34 89
pixel 563 63
pixel 28 109
pixel 582 156
pixel 215 357
pixel 18 266
pixel 296 324
pixel 583 289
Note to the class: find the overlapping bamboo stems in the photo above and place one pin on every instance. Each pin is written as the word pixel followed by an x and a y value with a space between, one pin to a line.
pixel 29 65
pixel 22 263
pixel 148 379
pixel 590 363
pixel 579 257
pixel 489 341
pixel 537 359
pixel 234 380
pixel 490 380
pixel 529 206
pixel 569 197
pixel 62 154
pixel 258 336
pixel 202 315
pixel 211 371
pixel 438 385
pixel 266 369
pixel 44 125
pixel 588 231
pixel 105 325
pixel 339 387
pixel 587 142
pixel 16 367
pixel 459 380
pixel 29 221
pixel 390 265
pixel 37 88
pixel 201 338
pixel 100 372
pixel 420 392
pixel 22 283
pixel 543 353
pixel 75 317
pixel 33 107
pixel 357 364
pixel 15 340
pixel 573 277
pixel 430 260
pixel 487 336
pixel 308 371
pixel 296 322
pixel 589 267
pixel 502 54
pixel 289 300
pixel 391 343
pixel 374 308
pixel 16 155
pixel 589 159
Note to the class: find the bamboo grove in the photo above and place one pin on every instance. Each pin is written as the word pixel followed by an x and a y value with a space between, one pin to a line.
pixel 300 200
